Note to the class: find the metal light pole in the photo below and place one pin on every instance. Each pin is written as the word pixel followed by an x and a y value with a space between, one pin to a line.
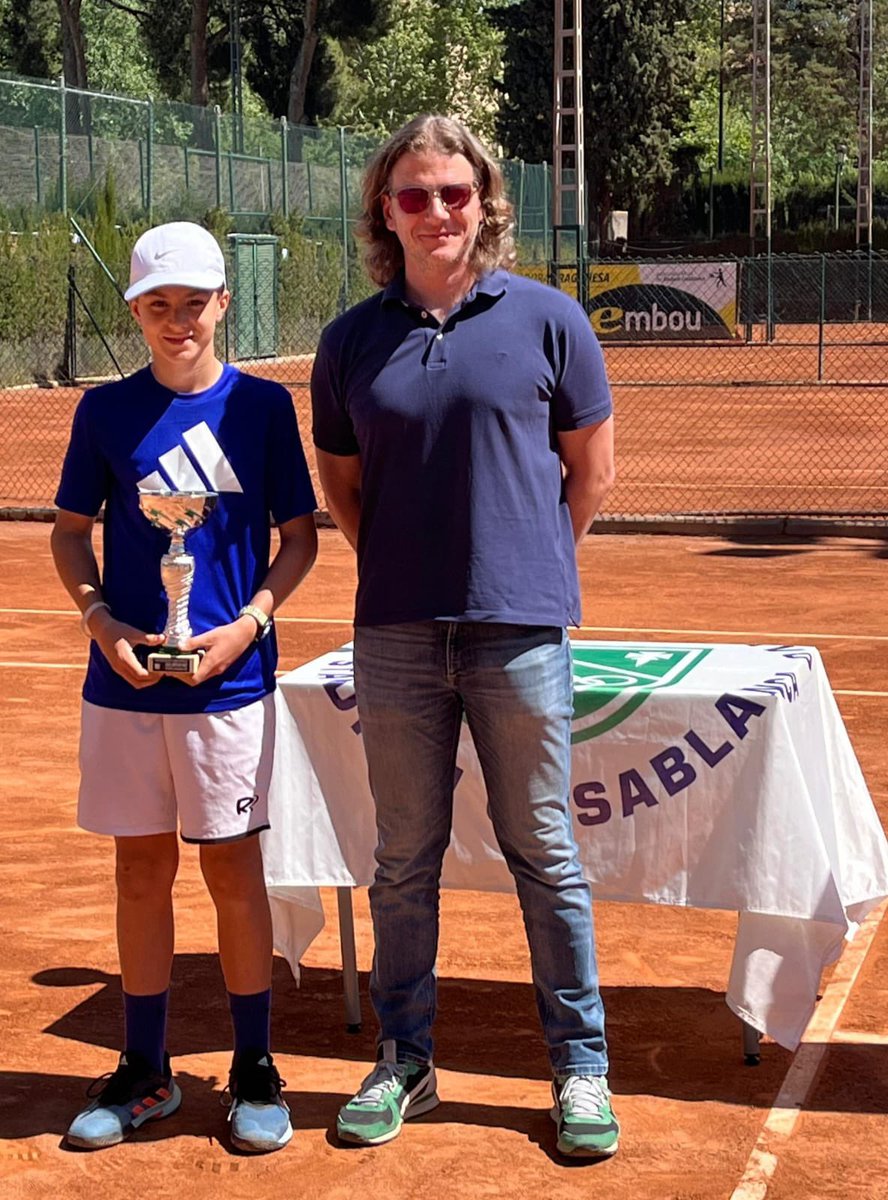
pixel 721 89
pixel 237 91
pixel 841 155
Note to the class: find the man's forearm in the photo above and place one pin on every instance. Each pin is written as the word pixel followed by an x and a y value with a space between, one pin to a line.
pixel 345 509
pixel 584 499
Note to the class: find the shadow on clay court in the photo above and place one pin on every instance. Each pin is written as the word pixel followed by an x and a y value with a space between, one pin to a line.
pixel 45 1104
pixel 680 1043
pixel 772 547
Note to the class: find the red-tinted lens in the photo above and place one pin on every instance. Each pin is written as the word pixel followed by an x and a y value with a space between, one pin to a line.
pixel 413 199
pixel 455 195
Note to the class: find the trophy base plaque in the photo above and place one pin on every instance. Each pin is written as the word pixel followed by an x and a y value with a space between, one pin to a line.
pixel 168 661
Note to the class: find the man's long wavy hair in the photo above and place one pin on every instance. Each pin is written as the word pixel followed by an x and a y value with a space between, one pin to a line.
pixel 494 245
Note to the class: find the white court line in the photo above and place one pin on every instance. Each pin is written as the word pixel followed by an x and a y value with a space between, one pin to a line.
pixel 805 1066
pixel 284 670
pixel 47 666
pixel 783 637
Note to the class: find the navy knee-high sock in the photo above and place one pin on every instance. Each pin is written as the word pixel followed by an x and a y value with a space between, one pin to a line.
pixel 145 1019
pixel 251 1018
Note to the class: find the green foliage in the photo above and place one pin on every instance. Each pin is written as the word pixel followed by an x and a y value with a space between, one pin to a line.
pixel 30 40
pixel 275 31
pixel 33 269
pixel 117 52
pixel 638 59
pixel 814 85
pixel 442 56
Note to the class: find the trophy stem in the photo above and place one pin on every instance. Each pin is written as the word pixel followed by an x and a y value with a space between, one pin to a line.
pixel 177 574
pixel 176 513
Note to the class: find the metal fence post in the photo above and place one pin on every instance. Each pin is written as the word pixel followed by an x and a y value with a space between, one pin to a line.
pixel 149 160
pixel 63 147
pixel 520 221
pixel 822 320
pixel 70 348
pixel 546 212
pixel 217 125
pixel 343 199
pixel 37 185
pixel 712 204
pixel 285 182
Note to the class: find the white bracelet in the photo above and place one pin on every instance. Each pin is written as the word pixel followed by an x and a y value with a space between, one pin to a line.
pixel 84 620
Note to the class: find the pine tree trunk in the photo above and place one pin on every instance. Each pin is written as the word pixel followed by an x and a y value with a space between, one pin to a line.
pixel 73 49
pixel 200 91
pixel 302 66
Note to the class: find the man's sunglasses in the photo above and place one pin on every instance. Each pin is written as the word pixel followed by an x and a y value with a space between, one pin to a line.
pixel 413 200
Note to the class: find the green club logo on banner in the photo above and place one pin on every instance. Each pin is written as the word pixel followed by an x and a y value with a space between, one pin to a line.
pixel 610 684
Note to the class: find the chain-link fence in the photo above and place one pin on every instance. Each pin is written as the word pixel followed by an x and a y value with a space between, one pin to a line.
pixel 59 145
pixel 728 405
pixel 743 387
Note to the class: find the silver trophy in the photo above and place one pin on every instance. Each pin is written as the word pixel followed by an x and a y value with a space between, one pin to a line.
pixel 177 513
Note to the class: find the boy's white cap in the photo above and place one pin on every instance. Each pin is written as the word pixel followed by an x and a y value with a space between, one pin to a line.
pixel 180 254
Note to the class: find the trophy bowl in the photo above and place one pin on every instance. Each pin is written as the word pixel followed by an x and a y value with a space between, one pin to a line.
pixel 176 513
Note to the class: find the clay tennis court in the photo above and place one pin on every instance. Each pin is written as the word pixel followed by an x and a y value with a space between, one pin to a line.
pixel 731 427
pixel 697 1123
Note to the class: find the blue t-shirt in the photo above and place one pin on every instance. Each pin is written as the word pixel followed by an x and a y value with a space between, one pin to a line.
pixel 463 515
pixel 238 438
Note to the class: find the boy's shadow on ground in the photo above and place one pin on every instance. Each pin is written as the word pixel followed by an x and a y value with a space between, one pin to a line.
pixel 680 1043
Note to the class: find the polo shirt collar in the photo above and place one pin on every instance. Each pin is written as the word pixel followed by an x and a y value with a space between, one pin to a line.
pixel 493 284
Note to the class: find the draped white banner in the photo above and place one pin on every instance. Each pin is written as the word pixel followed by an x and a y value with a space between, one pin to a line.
pixel 710 776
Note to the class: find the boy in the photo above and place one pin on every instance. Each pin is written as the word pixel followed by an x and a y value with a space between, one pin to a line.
pixel 157 750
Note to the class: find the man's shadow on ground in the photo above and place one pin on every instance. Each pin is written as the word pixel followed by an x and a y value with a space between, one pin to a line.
pixel 679 1043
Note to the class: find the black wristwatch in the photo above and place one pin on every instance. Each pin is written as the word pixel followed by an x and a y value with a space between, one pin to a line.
pixel 262 619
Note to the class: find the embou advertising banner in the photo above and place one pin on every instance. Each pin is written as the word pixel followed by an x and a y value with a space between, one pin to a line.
pixel 654 301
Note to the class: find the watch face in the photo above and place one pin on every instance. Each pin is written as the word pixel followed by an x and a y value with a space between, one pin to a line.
pixel 263 621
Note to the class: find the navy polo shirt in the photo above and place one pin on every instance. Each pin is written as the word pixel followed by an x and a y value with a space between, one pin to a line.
pixel 463 516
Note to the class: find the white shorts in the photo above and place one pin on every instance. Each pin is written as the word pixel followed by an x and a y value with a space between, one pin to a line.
pixel 147 773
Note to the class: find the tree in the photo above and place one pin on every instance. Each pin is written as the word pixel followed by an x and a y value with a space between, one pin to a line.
pixel 814 82
pixel 442 56
pixel 636 61
pixel 289 65
pixel 200 82
pixel 73 45
pixel 29 38
pixel 118 59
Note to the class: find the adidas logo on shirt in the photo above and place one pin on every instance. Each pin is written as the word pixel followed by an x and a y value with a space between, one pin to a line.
pixel 203 467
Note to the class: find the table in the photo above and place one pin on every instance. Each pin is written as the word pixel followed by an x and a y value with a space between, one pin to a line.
pixel 713 776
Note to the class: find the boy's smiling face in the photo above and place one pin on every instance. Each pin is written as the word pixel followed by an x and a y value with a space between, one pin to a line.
pixel 179 324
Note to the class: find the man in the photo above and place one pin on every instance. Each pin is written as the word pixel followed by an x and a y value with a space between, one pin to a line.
pixel 463 425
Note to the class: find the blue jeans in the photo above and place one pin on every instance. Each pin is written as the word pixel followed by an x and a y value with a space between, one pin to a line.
pixel 413 684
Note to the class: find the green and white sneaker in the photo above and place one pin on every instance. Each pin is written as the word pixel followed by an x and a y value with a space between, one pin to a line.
pixel 391 1094
pixel 586 1122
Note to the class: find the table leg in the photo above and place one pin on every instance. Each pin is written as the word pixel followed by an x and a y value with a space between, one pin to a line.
pixel 751 1045
pixel 349 960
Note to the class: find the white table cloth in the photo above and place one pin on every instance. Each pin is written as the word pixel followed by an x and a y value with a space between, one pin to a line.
pixel 714 776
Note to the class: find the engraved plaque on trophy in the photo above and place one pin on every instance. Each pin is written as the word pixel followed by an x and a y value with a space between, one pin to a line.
pixel 177 513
